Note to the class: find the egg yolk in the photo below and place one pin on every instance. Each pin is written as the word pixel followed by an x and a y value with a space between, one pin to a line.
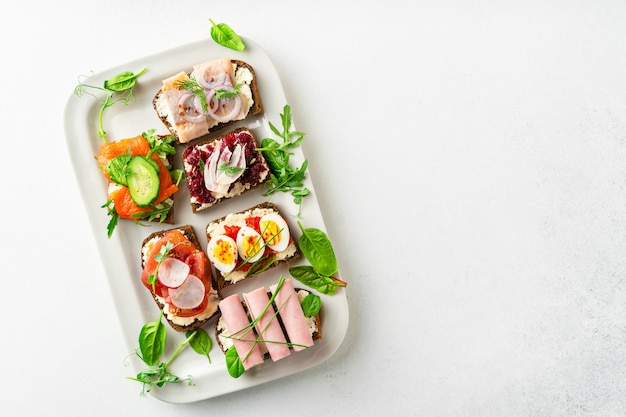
pixel 271 232
pixel 250 246
pixel 224 252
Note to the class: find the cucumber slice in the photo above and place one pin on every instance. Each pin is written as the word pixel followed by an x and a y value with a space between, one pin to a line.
pixel 143 181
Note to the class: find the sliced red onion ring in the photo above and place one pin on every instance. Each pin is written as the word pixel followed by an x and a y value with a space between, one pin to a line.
pixel 235 159
pixel 213 80
pixel 190 108
pixel 189 295
pixel 172 272
pixel 224 109
pixel 210 171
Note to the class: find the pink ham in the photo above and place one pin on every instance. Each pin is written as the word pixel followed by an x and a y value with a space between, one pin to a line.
pixel 268 326
pixel 292 315
pixel 236 320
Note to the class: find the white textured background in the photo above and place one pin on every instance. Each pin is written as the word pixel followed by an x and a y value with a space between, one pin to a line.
pixel 469 158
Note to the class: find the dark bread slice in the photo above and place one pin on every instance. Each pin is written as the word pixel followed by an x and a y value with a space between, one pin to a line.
pixel 257 164
pixel 222 282
pixel 190 234
pixel 317 334
pixel 257 105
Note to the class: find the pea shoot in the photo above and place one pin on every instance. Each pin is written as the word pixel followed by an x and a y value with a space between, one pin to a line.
pixel 117 88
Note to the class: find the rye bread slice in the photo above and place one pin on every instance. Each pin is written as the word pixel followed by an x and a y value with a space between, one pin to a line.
pixel 257 105
pixel 222 281
pixel 194 155
pixel 190 234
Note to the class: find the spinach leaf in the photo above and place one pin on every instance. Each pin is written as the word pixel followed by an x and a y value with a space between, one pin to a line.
pixel 226 36
pixel 307 275
pixel 152 341
pixel 311 305
pixel 318 250
pixel 200 343
pixel 233 363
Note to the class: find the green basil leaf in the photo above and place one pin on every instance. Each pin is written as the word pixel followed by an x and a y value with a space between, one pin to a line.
pixel 201 342
pixel 233 363
pixel 311 305
pixel 226 36
pixel 318 250
pixel 152 342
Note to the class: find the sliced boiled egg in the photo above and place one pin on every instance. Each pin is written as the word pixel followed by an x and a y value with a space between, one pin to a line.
pixel 250 244
pixel 275 231
pixel 222 252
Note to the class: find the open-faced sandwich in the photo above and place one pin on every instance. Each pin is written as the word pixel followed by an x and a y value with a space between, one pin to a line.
pixel 178 275
pixel 140 177
pixel 244 244
pixel 214 95
pixel 222 168
pixel 264 324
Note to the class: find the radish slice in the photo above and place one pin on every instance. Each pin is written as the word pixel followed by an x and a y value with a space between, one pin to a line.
pixel 189 295
pixel 172 272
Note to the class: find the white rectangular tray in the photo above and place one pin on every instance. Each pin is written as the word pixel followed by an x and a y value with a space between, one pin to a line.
pixel 121 253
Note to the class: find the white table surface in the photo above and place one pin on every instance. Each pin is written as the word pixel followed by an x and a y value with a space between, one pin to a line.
pixel 470 162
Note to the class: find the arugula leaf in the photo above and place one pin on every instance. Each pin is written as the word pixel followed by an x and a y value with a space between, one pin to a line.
pixel 226 36
pixel 114 217
pixel 282 176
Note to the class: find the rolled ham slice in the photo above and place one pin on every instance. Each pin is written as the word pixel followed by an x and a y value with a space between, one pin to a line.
pixel 236 319
pixel 268 326
pixel 291 314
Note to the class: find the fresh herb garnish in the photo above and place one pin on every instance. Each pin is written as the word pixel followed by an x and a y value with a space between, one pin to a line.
pixel 110 206
pixel 191 84
pixel 226 36
pixel 117 88
pixel 283 177
pixel 223 93
pixel 118 169
pixel 318 250
pixel 164 253
pixel 230 170
pixel 152 339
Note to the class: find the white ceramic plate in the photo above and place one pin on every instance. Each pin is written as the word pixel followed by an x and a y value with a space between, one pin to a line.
pixel 121 254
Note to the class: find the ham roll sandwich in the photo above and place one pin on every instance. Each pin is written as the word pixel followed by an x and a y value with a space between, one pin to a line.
pixel 212 96
pixel 264 324
pixel 244 244
pixel 222 168
pixel 178 275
